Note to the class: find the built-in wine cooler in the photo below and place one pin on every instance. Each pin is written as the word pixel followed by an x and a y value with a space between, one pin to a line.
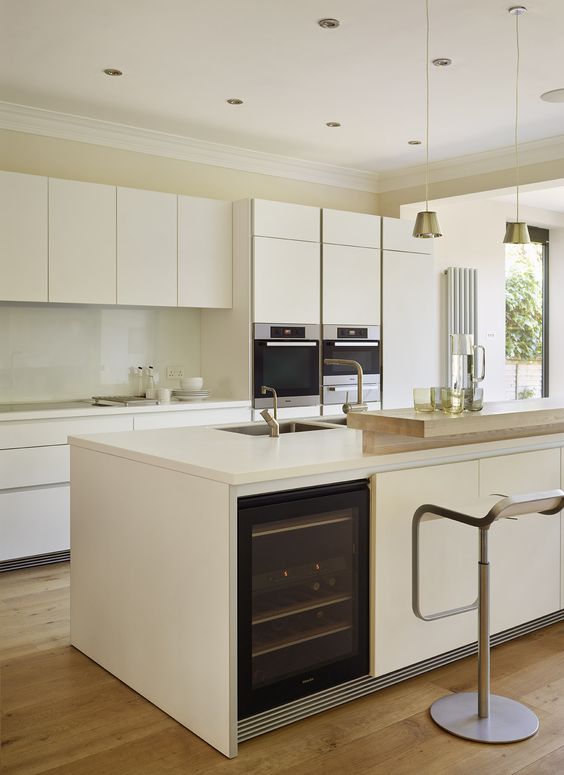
pixel 302 593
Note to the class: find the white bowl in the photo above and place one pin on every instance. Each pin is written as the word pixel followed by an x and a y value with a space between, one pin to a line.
pixel 191 383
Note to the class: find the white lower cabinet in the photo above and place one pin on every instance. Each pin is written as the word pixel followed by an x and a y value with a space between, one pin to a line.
pixel 524 552
pixel 193 418
pixel 34 521
pixel 448 565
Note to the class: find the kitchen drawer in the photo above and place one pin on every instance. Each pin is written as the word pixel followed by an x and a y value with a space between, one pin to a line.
pixel 182 419
pixel 40 433
pixel 34 522
pixel 34 466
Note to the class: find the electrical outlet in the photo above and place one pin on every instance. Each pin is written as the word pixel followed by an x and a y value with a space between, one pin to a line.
pixel 174 372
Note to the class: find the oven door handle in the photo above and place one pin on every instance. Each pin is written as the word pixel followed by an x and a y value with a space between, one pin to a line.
pixel 367 387
pixel 291 344
pixel 353 344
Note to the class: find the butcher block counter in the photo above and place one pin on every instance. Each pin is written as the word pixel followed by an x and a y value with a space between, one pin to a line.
pixel 404 430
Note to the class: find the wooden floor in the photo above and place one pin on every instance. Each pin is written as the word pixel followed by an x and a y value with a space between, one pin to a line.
pixel 64 715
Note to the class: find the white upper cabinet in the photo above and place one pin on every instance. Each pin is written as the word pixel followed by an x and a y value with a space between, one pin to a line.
pixel 23 237
pixel 351 285
pixel 286 281
pixel 397 234
pixel 82 242
pixel 344 228
pixel 146 248
pixel 285 221
pixel 410 333
pixel 205 263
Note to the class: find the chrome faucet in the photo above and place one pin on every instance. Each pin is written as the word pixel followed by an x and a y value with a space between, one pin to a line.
pixel 271 419
pixel 360 406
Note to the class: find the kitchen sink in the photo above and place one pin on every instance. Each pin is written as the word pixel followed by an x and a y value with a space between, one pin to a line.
pixel 340 419
pixel 260 429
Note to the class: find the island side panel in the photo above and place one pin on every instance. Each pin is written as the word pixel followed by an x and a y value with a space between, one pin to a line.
pixel 150 587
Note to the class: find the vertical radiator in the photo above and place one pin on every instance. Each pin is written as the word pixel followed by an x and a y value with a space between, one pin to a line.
pixel 462 305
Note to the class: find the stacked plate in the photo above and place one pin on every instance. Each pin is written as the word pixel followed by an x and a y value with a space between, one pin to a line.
pixel 190 395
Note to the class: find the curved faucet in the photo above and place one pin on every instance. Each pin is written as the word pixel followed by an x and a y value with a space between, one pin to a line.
pixel 271 419
pixel 360 406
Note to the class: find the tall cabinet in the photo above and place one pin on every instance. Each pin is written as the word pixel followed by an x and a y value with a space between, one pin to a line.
pixel 409 314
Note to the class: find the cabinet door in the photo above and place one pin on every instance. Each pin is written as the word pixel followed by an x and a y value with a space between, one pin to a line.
pixel 34 521
pixel 344 228
pixel 146 248
pixel 286 278
pixel 286 221
pixel 82 242
pixel 448 565
pixel 397 234
pixel 351 285
pixel 23 237
pixel 204 252
pixel 410 327
pixel 524 552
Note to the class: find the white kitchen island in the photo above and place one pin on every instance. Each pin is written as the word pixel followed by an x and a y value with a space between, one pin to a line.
pixel 154 556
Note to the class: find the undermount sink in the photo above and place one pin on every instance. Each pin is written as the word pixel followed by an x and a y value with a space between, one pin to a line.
pixel 339 420
pixel 260 429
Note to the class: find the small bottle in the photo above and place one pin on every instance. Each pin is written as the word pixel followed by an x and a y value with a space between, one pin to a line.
pixel 151 379
pixel 140 391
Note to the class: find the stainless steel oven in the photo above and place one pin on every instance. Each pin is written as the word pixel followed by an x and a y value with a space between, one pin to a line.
pixel 357 343
pixel 286 358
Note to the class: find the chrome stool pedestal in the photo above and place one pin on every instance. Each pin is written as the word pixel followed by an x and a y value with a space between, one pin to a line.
pixel 480 715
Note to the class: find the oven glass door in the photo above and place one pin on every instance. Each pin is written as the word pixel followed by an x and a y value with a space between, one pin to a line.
pixel 367 353
pixel 290 367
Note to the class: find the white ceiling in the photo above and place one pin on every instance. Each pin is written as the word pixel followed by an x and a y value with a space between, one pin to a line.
pixel 182 59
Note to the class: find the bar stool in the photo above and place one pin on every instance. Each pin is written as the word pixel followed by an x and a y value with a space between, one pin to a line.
pixel 481 716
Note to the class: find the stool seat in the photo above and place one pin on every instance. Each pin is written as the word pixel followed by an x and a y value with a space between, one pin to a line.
pixel 481 716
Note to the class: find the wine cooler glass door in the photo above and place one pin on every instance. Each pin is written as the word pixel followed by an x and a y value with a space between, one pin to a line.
pixel 302 593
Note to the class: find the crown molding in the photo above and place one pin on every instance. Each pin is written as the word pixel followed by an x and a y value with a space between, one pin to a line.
pixel 65 126
pixel 535 152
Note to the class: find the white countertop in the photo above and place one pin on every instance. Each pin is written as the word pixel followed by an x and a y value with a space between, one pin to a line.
pixel 235 459
pixel 84 408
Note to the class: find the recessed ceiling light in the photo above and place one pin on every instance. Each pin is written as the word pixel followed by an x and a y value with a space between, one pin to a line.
pixel 442 62
pixel 332 124
pixel 112 71
pixel 414 142
pixel 234 101
pixel 555 95
pixel 329 24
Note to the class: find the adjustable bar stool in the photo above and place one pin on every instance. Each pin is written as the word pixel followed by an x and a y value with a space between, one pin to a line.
pixel 481 716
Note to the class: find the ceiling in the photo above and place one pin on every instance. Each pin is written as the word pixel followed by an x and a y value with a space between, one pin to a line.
pixel 183 58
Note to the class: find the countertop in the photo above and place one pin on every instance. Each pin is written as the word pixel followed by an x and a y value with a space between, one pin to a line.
pixel 236 459
pixel 84 408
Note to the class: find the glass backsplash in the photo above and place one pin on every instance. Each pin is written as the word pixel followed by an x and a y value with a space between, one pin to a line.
pixel 62 351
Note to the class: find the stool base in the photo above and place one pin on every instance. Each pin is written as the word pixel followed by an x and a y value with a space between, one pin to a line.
pixel 509 721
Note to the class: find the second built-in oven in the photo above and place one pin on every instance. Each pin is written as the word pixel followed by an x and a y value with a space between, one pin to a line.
pixel 286 358
pixel 356 343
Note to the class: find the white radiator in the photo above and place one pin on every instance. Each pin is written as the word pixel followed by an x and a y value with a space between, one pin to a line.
pixel 462 305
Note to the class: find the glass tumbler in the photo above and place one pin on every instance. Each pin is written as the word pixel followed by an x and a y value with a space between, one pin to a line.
pixel 452 400
pixel 475 399
pixel 436 399
pixel 422 400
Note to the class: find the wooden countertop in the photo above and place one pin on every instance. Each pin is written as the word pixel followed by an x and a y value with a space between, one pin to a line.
pixel 497 420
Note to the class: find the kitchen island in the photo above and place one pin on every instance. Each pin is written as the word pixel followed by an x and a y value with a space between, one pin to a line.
pixel 154 555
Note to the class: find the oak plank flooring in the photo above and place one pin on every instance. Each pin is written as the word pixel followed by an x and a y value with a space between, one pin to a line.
pixel 62 714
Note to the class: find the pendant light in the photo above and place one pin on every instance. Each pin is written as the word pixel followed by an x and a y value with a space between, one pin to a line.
pixel 516 232
pixel 426 222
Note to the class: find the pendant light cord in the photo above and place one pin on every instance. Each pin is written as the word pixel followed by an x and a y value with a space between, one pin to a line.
pixel 427 112
pixel 517 109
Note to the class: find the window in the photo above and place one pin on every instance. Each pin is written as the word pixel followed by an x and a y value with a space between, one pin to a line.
pixel 526 317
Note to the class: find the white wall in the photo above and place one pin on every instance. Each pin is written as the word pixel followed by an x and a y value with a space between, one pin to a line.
pixel 59 351
pixel 473 230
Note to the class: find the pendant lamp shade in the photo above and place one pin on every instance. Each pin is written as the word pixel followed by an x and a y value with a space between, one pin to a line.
pixel 427 225
pixel 516 232
pixel 426 221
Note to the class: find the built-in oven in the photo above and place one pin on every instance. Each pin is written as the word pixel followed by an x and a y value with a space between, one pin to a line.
pixel 302 592
pixel 356 343
pixel 286 358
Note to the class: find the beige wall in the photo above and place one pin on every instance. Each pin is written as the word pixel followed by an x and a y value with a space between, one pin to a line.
pixel 481 247
pixel 38 155
pixel 390 202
